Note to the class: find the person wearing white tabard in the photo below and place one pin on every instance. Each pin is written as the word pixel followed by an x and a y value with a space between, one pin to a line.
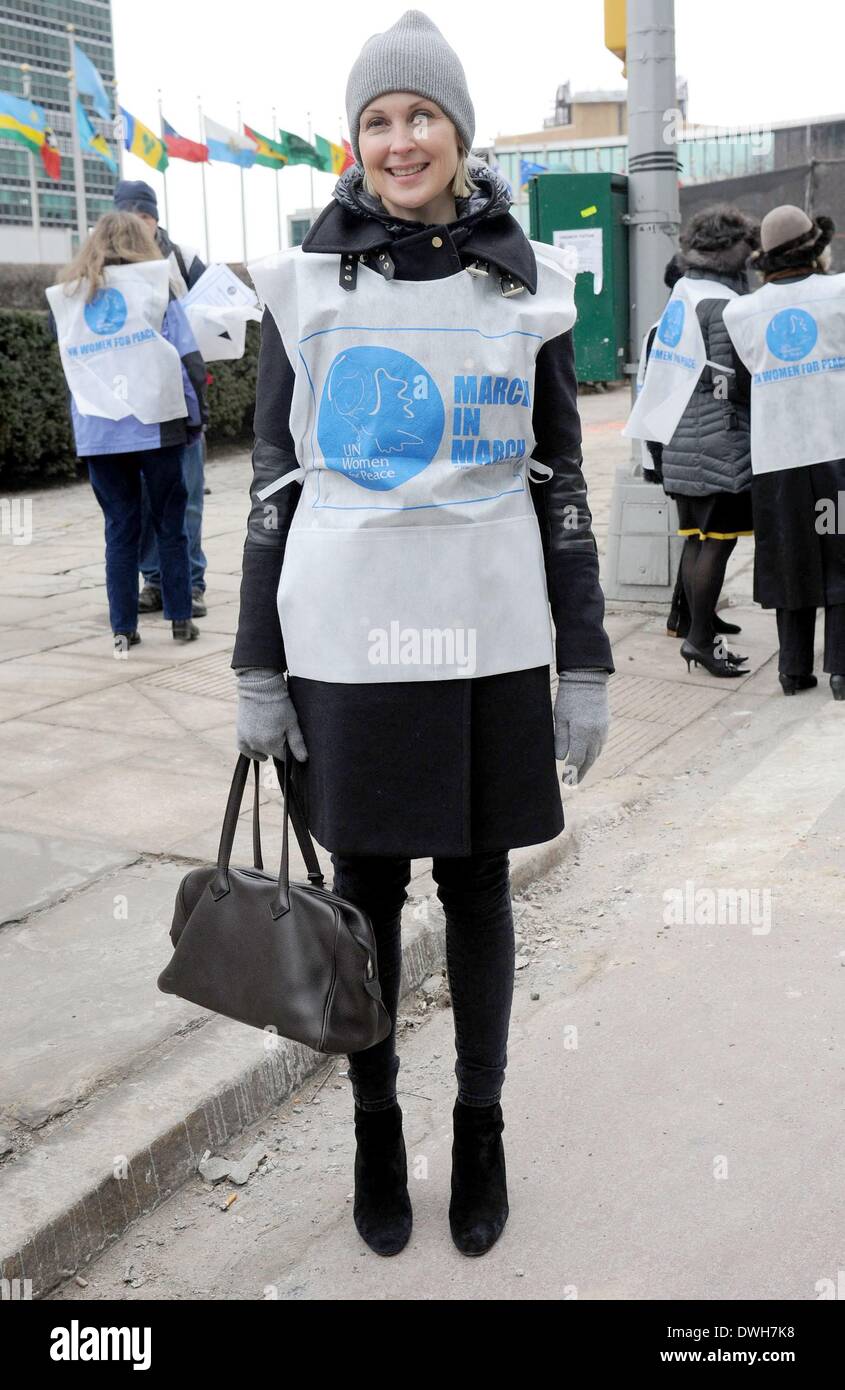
pixel 419 516
pixel 790 335
pixel 136 386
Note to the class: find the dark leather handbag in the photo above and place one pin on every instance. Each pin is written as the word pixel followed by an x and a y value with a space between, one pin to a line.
pixel 293 958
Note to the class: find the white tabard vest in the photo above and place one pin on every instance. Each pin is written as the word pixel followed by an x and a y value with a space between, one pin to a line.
pixel 414 552
pixel 115 360
pixel 678 357
pixel 792 340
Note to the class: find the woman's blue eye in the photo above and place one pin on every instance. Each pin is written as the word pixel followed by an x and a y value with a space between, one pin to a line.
pixel 374 120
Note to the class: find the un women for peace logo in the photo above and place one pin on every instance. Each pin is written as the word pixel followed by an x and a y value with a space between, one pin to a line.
pixel 791 334
pixel 672 323
pixel 381 417
pixel 107 312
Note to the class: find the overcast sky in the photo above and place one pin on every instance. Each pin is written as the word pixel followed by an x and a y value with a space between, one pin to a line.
pixel 745 63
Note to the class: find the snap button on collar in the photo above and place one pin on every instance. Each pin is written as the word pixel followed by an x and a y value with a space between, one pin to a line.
pixel 437 241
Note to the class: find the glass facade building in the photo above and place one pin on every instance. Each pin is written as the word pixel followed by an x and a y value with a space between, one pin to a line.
pixel 35 32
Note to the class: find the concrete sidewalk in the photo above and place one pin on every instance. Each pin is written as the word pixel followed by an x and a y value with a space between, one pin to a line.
pixel 116 778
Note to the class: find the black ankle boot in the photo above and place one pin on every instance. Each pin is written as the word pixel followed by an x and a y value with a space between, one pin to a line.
pixel 790 685
pixel 382 1208
pixel 837 686
pixel 479 1207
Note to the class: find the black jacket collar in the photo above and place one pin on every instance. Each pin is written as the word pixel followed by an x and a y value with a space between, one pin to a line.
pixel 354 223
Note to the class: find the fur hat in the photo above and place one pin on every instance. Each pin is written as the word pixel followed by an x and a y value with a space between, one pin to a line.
pixel 791 240
pixel 719 238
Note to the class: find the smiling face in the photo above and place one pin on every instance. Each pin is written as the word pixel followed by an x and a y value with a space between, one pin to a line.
pixel 409 149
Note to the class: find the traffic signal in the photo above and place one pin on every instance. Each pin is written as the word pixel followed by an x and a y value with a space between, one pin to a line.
pixel 616 29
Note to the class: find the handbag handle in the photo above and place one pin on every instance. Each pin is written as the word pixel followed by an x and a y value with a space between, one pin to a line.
pixel 281 900
pixel 220 883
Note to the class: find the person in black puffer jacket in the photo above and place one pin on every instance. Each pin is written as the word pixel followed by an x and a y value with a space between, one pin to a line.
pixel 706 466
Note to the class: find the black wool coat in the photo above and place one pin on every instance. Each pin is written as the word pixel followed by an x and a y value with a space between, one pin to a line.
pixel 449 767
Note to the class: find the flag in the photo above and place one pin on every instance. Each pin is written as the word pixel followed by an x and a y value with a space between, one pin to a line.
pixel 270 154
pixel 139 139
pixel 91 142
pixel 50 157
pixel 227 146
pixel 527 170
pixel 21 120
pixel 89 81
pixel 178 147
pixel 334 157
pixel 299 151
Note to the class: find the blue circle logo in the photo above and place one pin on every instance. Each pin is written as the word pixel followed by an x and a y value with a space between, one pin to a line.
pixel 107 312
pixel 672 323
pixel 381 417
pixel 791 334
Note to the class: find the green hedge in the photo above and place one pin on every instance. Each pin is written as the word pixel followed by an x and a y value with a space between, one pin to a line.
pixel 36 440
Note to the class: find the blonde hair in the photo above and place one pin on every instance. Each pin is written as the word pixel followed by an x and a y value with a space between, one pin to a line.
pixel 116 239
pixel 462 184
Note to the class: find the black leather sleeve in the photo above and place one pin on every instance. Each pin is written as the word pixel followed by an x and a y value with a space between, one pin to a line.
pixel 259 640
pixel 569 546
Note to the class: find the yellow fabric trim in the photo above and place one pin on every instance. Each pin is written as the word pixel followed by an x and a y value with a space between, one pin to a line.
pixel 714 535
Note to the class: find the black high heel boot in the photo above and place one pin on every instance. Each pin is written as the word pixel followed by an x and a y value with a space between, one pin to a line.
pixel 479 1207
pixel 790 685
pixel 382 1207
pixel 706 657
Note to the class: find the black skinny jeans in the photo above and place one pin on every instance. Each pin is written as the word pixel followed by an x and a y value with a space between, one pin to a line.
pixel 475 893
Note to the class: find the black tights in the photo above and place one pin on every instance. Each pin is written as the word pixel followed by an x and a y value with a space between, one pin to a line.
pixel 703 565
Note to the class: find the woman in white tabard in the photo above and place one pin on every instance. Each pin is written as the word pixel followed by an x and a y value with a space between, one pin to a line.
pixel 790 336
pixel 402 568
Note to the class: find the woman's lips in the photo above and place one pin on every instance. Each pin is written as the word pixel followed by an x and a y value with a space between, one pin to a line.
pixel 407 178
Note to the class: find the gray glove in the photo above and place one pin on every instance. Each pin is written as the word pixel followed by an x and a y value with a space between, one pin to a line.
pixel 266 716
pixel 582 718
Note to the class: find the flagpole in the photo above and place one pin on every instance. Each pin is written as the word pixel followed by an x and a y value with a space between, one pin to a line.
pixel 118 126
pixel 203 141
pixel 276 175
pixel 78 166
pixel 243 199
pixel 164 171
pixel 33 182
pixel 122 136
pixel 311 172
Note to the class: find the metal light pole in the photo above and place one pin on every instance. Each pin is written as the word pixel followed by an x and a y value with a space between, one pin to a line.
pixel 78 166
pixel 643 552
pixel 33 179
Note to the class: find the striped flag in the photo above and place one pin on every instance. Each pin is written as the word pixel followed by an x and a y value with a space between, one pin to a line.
pixel 227 146
pixel 138 139
pixel 335 158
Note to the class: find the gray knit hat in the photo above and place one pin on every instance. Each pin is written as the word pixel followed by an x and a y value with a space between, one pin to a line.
pixel 412 56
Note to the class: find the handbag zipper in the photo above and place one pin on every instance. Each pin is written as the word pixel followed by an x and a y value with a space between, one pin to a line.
pixel 333 985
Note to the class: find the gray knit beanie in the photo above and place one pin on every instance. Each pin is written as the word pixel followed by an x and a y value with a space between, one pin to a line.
pixel 412 56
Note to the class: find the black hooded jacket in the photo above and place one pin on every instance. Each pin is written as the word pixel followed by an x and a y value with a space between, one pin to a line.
pixel 356 227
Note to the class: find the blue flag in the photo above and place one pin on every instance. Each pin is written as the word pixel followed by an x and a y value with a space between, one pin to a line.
pixel 90 141
pixel 527 170
pixel 89 81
